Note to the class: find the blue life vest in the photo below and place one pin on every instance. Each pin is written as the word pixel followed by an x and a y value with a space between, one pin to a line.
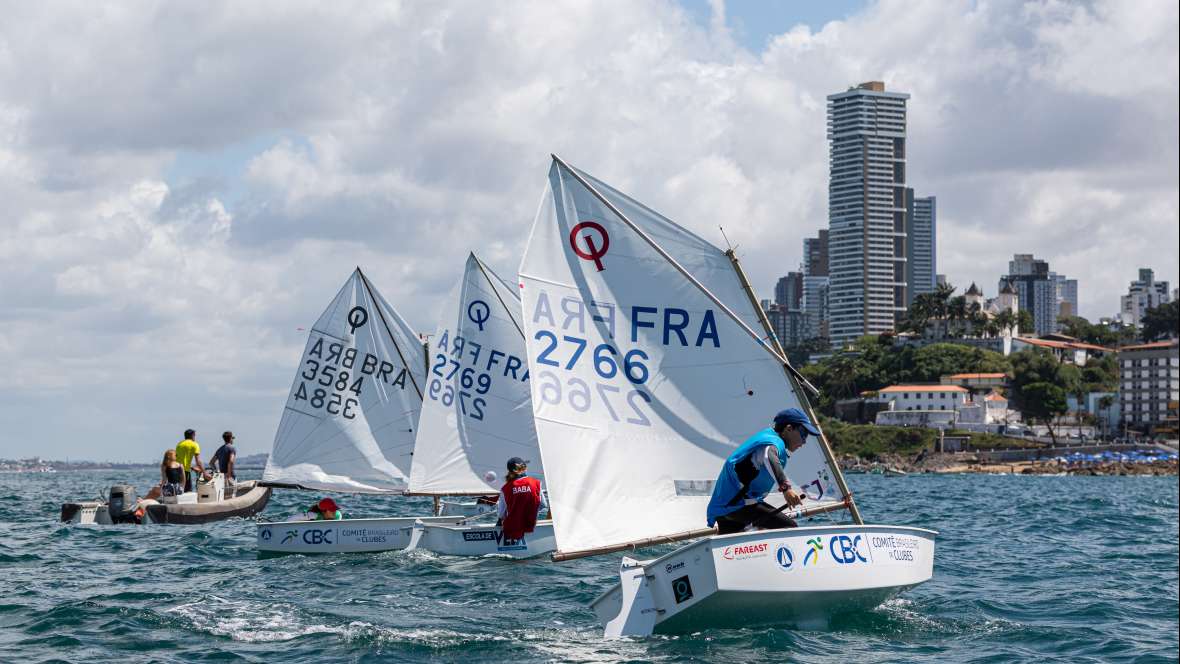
pixel 725 492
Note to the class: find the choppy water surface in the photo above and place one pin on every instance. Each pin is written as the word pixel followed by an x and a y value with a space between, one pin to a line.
pixel 1068 569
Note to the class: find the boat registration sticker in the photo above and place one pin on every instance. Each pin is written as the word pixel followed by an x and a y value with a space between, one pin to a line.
pixel 682 589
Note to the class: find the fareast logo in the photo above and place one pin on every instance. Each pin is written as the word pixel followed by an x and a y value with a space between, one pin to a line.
pixel 743 551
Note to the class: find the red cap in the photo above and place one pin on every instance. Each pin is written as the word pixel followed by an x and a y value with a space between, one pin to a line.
pixel 328 505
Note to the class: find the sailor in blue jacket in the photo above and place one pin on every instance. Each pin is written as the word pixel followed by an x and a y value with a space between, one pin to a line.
pixel 755 469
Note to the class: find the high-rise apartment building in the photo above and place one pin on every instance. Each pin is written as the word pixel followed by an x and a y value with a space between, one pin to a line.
pixel 815 255
pixel 786 314
pixel 921 263
pixel 1145 293
pixel 788 292
pixel 1149 385
pixel 815 286
pixel 1044 294
pixel 1067 296
pixel 815 307
pixel 866 211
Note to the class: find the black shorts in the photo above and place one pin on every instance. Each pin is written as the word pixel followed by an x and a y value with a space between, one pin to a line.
pixel 760 514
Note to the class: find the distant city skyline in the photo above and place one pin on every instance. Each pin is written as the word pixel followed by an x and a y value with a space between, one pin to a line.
pixel 184 185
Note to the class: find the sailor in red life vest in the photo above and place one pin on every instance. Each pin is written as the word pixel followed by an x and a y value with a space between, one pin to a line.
pixel 520 500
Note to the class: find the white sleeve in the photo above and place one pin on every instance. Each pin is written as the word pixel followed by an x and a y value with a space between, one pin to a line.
pixel 764 459
pixel 501 506
pixel 772 466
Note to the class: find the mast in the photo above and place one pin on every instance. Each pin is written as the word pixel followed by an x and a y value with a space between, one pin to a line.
pixel 823 439
pixel 774 351
pixel 495 291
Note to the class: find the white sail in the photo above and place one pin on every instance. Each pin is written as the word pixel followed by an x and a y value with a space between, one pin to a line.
pixel 642 386
pixel 350 418
pixel 476 411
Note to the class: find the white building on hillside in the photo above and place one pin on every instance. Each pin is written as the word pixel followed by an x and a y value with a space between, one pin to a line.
pixel 991 409
pixel 944 406
pixel 925 397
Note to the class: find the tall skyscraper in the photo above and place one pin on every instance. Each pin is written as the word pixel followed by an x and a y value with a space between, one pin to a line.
pixel 921 263
pixel 1145 293
pixel 1045 294
pixel 866 211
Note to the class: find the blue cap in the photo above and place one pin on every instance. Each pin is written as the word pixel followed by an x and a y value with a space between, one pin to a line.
pixel 796 417
pixel 516 462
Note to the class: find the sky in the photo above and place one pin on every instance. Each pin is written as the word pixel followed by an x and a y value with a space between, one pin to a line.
pixel 185 186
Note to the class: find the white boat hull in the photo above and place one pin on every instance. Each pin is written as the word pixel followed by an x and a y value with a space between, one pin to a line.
pixel 483 540
pixel 86 512
pixel 798 577
pixel 343 536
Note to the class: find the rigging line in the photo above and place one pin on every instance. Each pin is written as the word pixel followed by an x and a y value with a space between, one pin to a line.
pixel 496 292
pixel 377 304
pixel 825 446
pixel 281 433
pixel 685 273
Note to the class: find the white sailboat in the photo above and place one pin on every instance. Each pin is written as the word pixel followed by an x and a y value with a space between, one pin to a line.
pixel 349 422
pixel 647 372
pixel 476 414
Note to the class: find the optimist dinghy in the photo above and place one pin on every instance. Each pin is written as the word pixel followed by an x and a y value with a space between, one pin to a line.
pixel 476 414
pixel 646 367
pixel 349 423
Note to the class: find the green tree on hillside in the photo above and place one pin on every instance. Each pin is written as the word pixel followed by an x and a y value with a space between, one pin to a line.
pixel 1162 322
pixel 1034 366
pixel 1084 330
pixel 1044 402
pixel 1024 321
pixel 1005 320
pixel 1101 374
pixel 930 363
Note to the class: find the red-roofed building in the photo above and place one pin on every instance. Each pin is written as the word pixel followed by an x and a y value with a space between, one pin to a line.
pixel 925 397
pixel 977 381
pixel 1071 352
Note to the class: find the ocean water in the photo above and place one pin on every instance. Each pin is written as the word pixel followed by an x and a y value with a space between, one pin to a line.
pixel 1062 569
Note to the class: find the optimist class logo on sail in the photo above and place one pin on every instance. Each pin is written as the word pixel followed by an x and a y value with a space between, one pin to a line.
pixel 593 252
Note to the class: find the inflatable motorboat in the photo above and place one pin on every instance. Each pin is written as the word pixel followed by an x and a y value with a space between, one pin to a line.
pixel 212 501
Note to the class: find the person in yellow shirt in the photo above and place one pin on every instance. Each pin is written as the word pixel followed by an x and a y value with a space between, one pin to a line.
pixel 188 452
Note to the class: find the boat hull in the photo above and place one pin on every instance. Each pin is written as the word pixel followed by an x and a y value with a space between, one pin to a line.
pixel 484 540
pixel 249 499
pixel 246 499
pixel 800 577
pixel 343 536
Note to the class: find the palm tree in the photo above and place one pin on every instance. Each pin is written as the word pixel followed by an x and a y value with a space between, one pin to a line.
pixel 991 328
pixel 842 375
pixel 1006 320
pixel 938 307
pixel 957 311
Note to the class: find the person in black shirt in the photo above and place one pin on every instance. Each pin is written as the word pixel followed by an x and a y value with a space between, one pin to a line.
pixel 225 456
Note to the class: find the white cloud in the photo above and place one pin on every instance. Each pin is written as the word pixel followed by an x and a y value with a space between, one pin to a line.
pixel 408 134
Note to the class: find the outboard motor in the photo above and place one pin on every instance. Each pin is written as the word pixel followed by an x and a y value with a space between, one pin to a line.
pixel 122 503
